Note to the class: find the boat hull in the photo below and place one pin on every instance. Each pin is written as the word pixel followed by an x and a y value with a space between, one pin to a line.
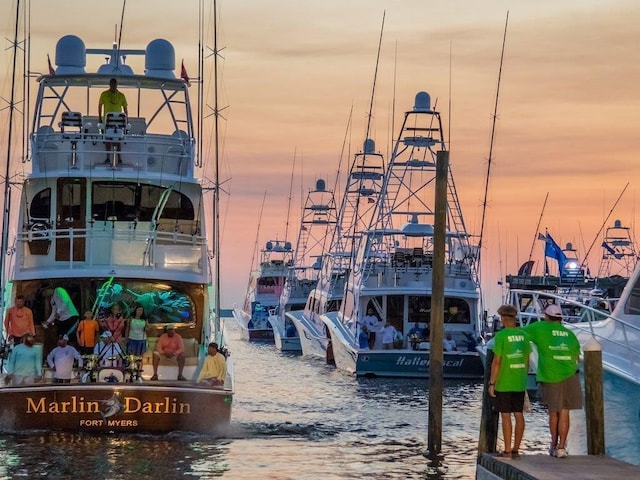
pixel 153 408
pixel 311 345
pixel 405 363
pixel 415 364
pixel 259 335
pixel 288 344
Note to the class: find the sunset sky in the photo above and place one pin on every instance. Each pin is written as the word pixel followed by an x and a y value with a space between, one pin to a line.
pixel 568 113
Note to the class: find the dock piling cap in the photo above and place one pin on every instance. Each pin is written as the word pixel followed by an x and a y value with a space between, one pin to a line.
pixel 592 345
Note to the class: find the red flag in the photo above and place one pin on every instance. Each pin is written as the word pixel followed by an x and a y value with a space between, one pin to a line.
pixel 51 69
pixel 184 75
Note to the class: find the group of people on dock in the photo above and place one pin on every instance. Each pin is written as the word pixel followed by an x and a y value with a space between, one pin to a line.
pixel 557 376
pixel 110 342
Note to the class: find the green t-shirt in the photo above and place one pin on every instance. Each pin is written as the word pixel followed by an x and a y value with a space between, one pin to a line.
pixel 558 350
pixel 513 348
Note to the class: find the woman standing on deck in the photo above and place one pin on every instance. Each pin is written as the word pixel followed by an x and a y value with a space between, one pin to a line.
pixel 136 332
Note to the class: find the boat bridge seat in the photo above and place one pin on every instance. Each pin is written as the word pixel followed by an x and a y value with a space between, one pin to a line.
pixel 115 126
pixel 190 352
pixel 71 125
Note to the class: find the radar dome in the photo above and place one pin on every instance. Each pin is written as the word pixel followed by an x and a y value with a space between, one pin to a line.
pixel 71 55
pixel 160 59
pixel 423 102
pixel 369 146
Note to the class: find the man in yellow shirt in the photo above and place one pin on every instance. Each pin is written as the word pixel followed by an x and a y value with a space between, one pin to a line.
pixel 214 368
pixel 111 100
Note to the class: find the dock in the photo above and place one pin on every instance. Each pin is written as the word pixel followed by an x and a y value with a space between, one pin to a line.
pixel 545 467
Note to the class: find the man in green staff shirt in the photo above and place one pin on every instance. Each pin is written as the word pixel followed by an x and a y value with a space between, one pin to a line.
pixel 508 381
pixel 557 374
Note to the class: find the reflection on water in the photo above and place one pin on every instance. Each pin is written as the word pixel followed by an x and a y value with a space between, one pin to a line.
pixel 296 418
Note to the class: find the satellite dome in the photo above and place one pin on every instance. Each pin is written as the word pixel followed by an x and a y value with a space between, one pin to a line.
pixel 71 55
pixel 160 59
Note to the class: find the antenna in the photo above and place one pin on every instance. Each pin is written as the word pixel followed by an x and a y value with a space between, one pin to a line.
pixel 124 5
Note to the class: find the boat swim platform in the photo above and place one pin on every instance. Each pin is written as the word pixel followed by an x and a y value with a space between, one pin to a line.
pixel 545 467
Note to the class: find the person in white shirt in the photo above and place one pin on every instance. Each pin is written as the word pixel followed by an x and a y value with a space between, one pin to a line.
pixel 61 359
pixel 109 351
pixel 388 336
pixel 371 322
pixel 449 344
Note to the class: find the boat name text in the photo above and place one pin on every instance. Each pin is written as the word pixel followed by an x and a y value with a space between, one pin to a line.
pixel 130 405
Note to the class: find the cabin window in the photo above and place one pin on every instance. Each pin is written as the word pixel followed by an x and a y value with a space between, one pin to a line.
pixel 419 309
pixel 456 310
pixel 333 305
pixel 125 201
pixel 40 207
pixel 162 304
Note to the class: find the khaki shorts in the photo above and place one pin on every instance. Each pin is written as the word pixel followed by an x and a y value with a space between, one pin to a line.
pixel 565 395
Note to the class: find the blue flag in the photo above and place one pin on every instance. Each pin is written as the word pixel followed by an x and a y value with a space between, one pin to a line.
pixel 553 250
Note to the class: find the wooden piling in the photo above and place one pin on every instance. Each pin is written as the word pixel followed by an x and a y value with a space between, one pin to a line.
pixel 593 397
pixel 487 443
pixel 436 355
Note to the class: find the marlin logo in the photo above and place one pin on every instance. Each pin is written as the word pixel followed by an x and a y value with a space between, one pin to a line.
pixel 111 407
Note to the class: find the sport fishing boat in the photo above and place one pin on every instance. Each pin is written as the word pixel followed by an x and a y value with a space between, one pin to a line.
pixel 391 274
pixel 113 213
pixel 266 284
pixel 357 206
pixel 318 222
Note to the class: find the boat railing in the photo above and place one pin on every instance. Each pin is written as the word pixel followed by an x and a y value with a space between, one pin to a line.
pixel 388 273
pixel 111 244
pixel 87 149
pixel 619 339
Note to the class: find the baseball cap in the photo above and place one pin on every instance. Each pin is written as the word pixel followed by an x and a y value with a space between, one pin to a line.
pixel 106 334
pixel 170 326
pixel 64 337
pixel 553 311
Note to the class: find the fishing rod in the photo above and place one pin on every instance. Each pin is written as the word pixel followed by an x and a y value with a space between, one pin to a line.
pixel 535 235
pixel 490 159
pixel 357 220
pixel 293 171
pixel 255 246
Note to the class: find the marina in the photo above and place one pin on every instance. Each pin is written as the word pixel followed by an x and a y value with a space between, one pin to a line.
pixel 132 178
